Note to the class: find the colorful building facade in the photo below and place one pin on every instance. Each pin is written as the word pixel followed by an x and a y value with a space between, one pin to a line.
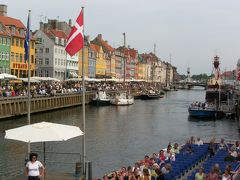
pixel 5 44
pixel 18 66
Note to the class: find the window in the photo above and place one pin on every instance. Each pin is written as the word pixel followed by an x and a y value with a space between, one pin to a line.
pixel 40 61
pixel 13 42
pixel 47 61
pixel 21 57
pixel 13 29
pixel 21 31
pixel 12 56
pixel 56 40
pixel 3 56
pixel 41 50
pixel 17 57
pixel 55 61
pixel 56 50
pixel 32 58
pixel 59 62
pixel 21 43
pixel 32 45
pixel 7 56
pixel 8 41
pixel 4 40
pixel 46 50
pixel 40 73
pixel 17 42
pixel 46 73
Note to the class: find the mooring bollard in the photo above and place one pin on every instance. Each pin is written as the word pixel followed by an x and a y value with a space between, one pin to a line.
pixel 88 170
pixel 78 168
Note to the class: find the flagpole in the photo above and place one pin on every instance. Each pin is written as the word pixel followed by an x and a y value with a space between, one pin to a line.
pixel 29 108
pixel 83 106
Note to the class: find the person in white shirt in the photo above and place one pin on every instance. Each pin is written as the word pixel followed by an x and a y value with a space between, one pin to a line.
pixel 34 168
pixel 199 141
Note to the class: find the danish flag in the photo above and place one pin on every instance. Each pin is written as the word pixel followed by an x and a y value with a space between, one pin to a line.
pixel 75 40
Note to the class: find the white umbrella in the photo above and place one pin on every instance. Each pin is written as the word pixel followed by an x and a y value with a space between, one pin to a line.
pixel 43 132
pixel 7 76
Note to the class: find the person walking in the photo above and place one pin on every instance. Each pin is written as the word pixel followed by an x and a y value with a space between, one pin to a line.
pixel 34 169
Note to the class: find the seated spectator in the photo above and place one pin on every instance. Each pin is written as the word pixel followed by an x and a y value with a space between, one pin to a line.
pixel 153 170
pixel 212 175
pixel 146 175
pixel 146 160
pixel 162 156
pixel 115 176
pixel 168 153
pixel 166 168
pixel 175 149
pixel 192 140
pixel 199 141
pixel 222 145
pixel 226 175
pixel 155 158
pixel 232 155
pixel 236 146
pixel 130 175
pixel 159 173
pixel 212 147
pixel 200 175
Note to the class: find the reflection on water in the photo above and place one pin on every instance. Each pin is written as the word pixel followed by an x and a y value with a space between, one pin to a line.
pixel 116 136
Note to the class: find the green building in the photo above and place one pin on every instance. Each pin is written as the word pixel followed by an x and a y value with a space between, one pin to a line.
pixel 5 39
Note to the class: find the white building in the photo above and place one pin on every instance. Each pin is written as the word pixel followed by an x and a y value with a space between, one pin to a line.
pixel 51 56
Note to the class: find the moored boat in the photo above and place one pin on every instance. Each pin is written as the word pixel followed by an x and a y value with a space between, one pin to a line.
pixel 101 99
pixel 122 99
pixel 150 95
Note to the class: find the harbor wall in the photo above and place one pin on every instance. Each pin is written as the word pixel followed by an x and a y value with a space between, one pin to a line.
pixel 17 106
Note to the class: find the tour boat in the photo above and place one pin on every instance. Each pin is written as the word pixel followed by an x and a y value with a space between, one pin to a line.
pixel 202 111
pixel 122 99
pixel 150 95
pixel 101 99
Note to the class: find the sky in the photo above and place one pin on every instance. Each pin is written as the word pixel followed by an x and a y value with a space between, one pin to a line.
pixel 187 33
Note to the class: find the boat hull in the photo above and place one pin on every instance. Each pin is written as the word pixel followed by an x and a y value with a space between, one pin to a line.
pixel 122 102
pixel 99 102
pixel 201 113
pixel 149 96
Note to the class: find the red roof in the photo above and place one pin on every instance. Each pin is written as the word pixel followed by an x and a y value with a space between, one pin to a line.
pixel 59 34
pixel 95 47
pixel 55 33
pixel 107 46
pixel 8 21
pixel 5 31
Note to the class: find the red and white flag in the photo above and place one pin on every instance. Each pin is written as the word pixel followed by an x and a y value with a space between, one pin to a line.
pixel 75 40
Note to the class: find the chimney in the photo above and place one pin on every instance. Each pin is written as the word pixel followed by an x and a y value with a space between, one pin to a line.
pixel 99 36
pixel 70 22
pixel 3 10
pixel 41 26
pixel 88 38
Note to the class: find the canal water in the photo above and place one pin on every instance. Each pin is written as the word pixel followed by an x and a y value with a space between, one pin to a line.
pixel 115 136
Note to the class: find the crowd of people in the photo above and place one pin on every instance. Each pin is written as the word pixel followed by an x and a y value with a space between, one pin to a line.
pixel 159 164
pixel 54 87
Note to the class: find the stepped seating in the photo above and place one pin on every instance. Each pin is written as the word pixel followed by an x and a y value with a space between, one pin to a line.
pixel 186 161
pixel 219 159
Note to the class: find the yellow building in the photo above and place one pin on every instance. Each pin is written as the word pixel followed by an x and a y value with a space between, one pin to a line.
pixel 85 62
pixel 100 61
pixel 17 63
